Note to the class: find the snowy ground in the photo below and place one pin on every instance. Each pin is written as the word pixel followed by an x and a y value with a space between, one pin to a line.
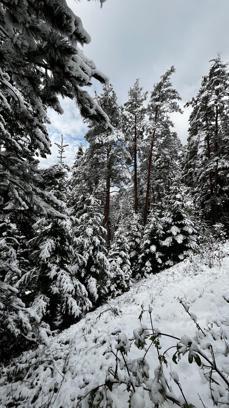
pixel 75 361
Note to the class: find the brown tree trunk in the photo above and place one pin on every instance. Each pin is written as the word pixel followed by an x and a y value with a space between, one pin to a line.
pixel 135 167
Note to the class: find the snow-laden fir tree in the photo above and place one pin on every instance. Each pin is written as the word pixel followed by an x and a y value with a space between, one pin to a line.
pixel 90 248
pixel 52 282
pixel 16 322
pixel 171 233
pixel 120 266
pixel 168 158
pixel 207 159
pixel 54 180
pixel 40 59
pixel 133 123
pixel 133 228
pixel 163 101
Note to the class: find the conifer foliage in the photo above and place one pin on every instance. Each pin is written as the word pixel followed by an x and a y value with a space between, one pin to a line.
pixel 133 124
pixel 120 264
pixel 40 60
pixel 207 160
pixel 15 320
pixel 90 248
pixel 170 235
pixel 163 101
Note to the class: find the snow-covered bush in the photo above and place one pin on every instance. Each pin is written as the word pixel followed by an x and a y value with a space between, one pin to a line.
pixel 133 381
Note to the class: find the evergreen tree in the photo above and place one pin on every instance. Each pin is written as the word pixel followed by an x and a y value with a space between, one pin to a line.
pixel 16 322
pixel 40 60
pixel 90 246
pixel 168 156
pixel 107 156
pixel 163 101
pixel 207 160
pixel 120 266
pixel 51 283
pixel 170 234
pixel 133 122
pixel 53 280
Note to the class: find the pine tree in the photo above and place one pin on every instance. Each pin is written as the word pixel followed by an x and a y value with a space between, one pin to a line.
pixel 168 157
pixel 207 159
pixel 133 122
pixel 107 156
pixel 120 266
pixel 90 247
pixel 16 322
pixel 40 60
pixel 171 233
pixel 163 101
pixel 54 281
pixel 51 283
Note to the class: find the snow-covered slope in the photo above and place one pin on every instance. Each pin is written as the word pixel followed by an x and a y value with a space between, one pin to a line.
pixel 76 361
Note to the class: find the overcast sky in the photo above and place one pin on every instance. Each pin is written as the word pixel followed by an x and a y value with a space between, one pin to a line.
pixel 141 39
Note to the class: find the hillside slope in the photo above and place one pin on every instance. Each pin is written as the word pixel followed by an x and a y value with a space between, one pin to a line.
pixel 76 361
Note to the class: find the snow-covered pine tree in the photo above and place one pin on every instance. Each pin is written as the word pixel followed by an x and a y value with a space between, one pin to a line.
pixel 133 123
pixel 91 261
pixel 40 60
pixel 207 160
pixel 51 283
pixel 168 160
pixel 163 101
pixel 79 155
pixel 54 180
pixel 16 322
pixel 120 266
pixel 171 233
pixel 107 156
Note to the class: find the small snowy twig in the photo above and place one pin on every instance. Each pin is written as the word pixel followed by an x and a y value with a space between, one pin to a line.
pixel 186 308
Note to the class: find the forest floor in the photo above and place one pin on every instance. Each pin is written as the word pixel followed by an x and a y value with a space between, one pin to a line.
pixel 76 361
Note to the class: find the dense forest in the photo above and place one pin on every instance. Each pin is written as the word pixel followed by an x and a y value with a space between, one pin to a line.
pixel 135 202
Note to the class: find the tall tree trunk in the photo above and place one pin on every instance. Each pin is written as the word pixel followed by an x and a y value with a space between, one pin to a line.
pixel 107 205
pixel 135 166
